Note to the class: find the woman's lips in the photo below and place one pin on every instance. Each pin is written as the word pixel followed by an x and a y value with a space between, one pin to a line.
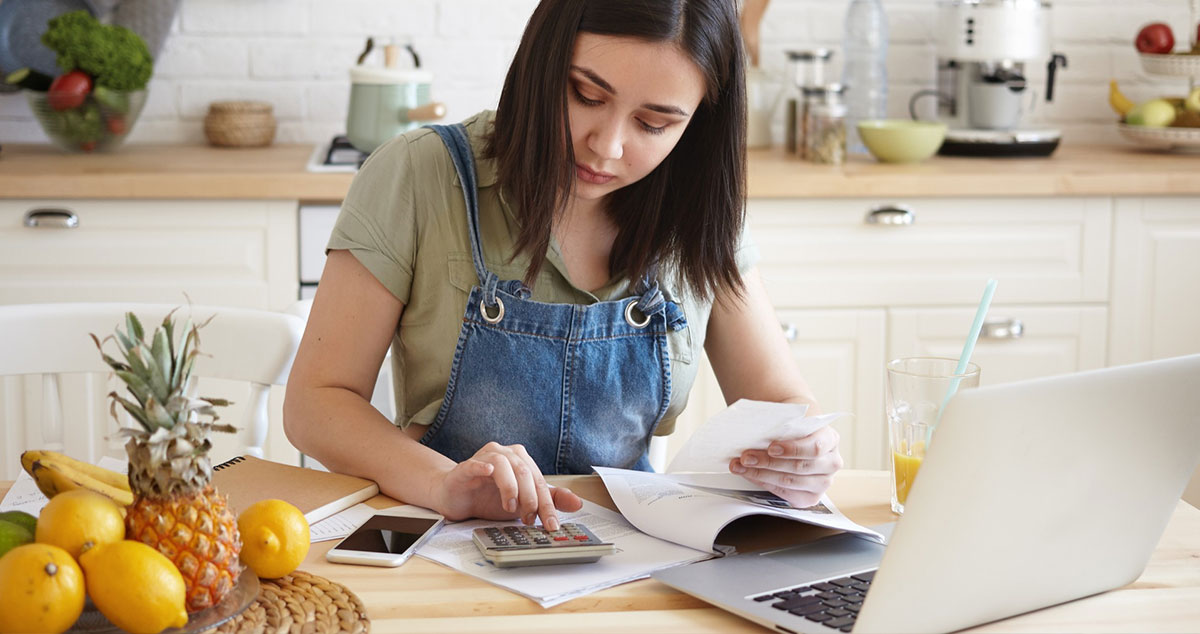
pixel 589 176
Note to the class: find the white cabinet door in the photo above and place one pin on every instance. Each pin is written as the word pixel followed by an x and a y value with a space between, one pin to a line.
pixel 221 253
pixel 826 253
pixel 1054 339
pixel 1156 279
pixel 840 353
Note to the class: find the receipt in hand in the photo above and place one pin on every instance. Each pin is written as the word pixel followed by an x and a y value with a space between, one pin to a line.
pixel 744 425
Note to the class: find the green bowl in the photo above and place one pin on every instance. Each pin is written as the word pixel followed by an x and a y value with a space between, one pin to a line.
pixel 901 140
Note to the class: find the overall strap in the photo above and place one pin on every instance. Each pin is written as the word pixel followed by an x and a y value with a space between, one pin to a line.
pixel 455 138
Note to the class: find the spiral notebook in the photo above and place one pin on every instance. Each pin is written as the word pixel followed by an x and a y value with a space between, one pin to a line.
pixel 318 494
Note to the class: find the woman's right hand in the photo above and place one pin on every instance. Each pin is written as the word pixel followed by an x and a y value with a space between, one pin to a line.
pixel 502 482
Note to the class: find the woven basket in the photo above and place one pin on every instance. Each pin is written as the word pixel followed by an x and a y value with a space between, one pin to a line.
pixel 301 602
pixel 240 123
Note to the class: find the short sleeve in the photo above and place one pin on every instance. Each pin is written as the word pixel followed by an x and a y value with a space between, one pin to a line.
pixel 378 220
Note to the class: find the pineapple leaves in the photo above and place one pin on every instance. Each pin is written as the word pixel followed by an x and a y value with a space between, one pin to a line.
pixel 133 327
pixel 134 410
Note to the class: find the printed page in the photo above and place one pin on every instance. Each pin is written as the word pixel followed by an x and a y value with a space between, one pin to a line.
pixel 654 502
pixel 744 425
pixel 340 525
pixel 637 556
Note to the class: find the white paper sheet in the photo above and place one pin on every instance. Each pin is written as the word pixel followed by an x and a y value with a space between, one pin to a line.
pixel 655 502
pixel 637 556
pixel 25 496
pixel 744 425
pixel 340 525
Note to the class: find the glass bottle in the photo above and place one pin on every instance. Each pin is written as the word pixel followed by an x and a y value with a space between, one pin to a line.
pixel 864 70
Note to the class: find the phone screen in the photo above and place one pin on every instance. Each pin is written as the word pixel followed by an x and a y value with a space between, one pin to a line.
pixel 387 534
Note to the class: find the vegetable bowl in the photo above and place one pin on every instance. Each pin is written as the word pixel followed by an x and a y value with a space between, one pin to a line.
pixel 96 122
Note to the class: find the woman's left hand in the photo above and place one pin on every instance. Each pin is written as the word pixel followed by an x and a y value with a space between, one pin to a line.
pixel 798 470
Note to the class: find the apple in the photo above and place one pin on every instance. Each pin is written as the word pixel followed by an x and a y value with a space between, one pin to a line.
pixel 1192 103
pixel 1157 113
pixel 1155 38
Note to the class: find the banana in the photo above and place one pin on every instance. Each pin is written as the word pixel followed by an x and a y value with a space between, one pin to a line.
pixel 111 478
pixel 1119 102
pixel 54 478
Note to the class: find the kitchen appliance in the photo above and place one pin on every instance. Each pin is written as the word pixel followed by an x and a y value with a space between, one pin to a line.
pixel 388 100
pixel 982 93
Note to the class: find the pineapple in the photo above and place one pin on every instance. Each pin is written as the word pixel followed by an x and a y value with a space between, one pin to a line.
pixel 175 508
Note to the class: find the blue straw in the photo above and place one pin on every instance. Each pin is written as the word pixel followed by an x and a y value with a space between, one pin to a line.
pixel 968 348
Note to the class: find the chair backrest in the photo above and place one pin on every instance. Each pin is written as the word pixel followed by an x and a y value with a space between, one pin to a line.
pixel 51 340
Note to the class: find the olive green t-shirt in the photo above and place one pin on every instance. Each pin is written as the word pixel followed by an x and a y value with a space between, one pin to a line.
pixel 405 220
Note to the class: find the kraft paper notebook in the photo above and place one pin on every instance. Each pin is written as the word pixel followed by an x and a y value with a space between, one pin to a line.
pixel 318 494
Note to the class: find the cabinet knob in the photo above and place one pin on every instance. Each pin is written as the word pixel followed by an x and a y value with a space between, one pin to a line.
pixel 789 331
pixel 1006 328
pixel 54 218
pixel 890 215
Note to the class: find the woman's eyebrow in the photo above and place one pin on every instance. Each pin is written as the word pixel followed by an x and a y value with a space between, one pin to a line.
pixel 607 87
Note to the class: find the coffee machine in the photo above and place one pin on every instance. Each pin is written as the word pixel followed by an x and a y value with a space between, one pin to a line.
pixel 983 94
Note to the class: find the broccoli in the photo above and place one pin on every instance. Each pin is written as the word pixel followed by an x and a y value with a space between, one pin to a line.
pixel 114 56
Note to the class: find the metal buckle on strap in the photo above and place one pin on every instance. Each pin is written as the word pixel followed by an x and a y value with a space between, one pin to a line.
pixel 629 315
pixel 499 312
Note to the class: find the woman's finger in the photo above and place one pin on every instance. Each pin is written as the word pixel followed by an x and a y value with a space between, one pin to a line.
pixel 816 483
pixel 527 493
pixel 820 442
pixel 565 499
pixel 825 464
pixel 542 503
pixel 505 479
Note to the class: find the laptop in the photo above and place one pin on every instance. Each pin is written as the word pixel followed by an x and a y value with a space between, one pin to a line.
pixel 1032 494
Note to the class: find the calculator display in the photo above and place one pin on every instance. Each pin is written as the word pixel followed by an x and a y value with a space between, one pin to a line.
pixel 387 534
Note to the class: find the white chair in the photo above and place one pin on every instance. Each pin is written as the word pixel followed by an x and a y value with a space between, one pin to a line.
pixel 51 340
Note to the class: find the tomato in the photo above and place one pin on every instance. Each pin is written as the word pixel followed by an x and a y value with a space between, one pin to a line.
pixel 116 124
pixel 1155 38
pixel 69 90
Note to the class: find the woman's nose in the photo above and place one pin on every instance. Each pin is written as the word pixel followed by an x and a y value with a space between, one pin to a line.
pixel 607 140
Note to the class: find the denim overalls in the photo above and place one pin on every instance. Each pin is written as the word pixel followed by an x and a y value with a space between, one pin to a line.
pixel 577 385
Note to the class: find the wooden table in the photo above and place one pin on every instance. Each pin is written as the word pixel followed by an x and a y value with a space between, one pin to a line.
pixel 422 596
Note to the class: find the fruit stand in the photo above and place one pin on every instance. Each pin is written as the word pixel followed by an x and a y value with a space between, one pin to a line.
pixel 1165 123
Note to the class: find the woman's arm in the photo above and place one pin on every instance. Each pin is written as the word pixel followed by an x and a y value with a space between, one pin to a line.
pixel 751 359
pixel 328 415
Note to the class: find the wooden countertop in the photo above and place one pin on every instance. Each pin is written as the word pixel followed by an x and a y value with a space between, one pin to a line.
pixel 278 172
pixel 422 596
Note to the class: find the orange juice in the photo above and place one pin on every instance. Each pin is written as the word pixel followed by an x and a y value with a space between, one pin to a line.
pixel 905 464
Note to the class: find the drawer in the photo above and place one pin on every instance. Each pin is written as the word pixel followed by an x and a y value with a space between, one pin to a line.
pixel 825 252
pixel 233 252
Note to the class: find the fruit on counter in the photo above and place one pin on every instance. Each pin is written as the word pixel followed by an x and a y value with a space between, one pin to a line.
pixel 1119 102
pixel 55 473
pixel 175 509
pixel 1156 113
pixel 20 518
pixel 1155 38
pixel 41 589
pixel 135 587
pixel 13 535
pixel 69 90
pixel 79 520
pixel 275 538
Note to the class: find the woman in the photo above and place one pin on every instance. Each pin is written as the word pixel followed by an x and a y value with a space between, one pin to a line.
pixel 547 275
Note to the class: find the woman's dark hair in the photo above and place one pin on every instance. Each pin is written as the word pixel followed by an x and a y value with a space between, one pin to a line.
pixel 688 211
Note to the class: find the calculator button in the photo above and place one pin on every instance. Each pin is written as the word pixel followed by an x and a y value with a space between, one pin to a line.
pixel 582 538
pixel 560 538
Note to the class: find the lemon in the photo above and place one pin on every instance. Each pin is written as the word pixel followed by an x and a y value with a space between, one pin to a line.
pixel 41 589
pixel 275 538
pixel 135 586
pixel 78 520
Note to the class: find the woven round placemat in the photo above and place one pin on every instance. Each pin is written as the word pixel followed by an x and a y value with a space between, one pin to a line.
pixel 300 603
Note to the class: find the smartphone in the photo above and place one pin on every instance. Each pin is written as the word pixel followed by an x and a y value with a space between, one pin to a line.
pixel 385 540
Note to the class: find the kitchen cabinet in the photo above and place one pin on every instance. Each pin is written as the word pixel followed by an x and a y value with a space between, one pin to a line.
pixel 862 281
pixel 240 253
pixel 1156 279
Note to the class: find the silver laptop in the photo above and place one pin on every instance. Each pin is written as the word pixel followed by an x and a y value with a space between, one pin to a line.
pixel 1032 494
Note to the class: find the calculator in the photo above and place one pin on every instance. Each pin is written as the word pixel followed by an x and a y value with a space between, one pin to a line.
pixel 513 546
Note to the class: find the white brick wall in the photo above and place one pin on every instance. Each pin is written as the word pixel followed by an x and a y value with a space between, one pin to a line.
pixel 295 54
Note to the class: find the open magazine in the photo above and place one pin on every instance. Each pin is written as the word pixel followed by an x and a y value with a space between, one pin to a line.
pixel 698 497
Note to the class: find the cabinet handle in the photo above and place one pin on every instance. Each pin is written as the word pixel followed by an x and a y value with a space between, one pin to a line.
pixel 890 215
pixel 51 218
pixel 1006 328
pixel 789 331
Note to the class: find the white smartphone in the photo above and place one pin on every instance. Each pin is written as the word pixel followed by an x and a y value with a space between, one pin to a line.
pixel 385 540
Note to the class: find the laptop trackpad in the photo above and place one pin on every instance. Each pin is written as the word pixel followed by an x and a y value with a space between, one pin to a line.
pixel 829 556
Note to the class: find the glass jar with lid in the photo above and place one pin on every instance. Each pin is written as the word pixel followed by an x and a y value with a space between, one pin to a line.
pixel 805 68
pixel 825 125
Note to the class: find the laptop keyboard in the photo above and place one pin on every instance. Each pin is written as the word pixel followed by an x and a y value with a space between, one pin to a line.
pixel 834 603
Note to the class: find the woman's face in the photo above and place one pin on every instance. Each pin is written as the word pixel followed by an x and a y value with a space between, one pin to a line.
pixel 630 102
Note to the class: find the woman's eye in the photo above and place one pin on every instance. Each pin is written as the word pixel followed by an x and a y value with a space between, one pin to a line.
pixel 651 129
pixel 584 100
